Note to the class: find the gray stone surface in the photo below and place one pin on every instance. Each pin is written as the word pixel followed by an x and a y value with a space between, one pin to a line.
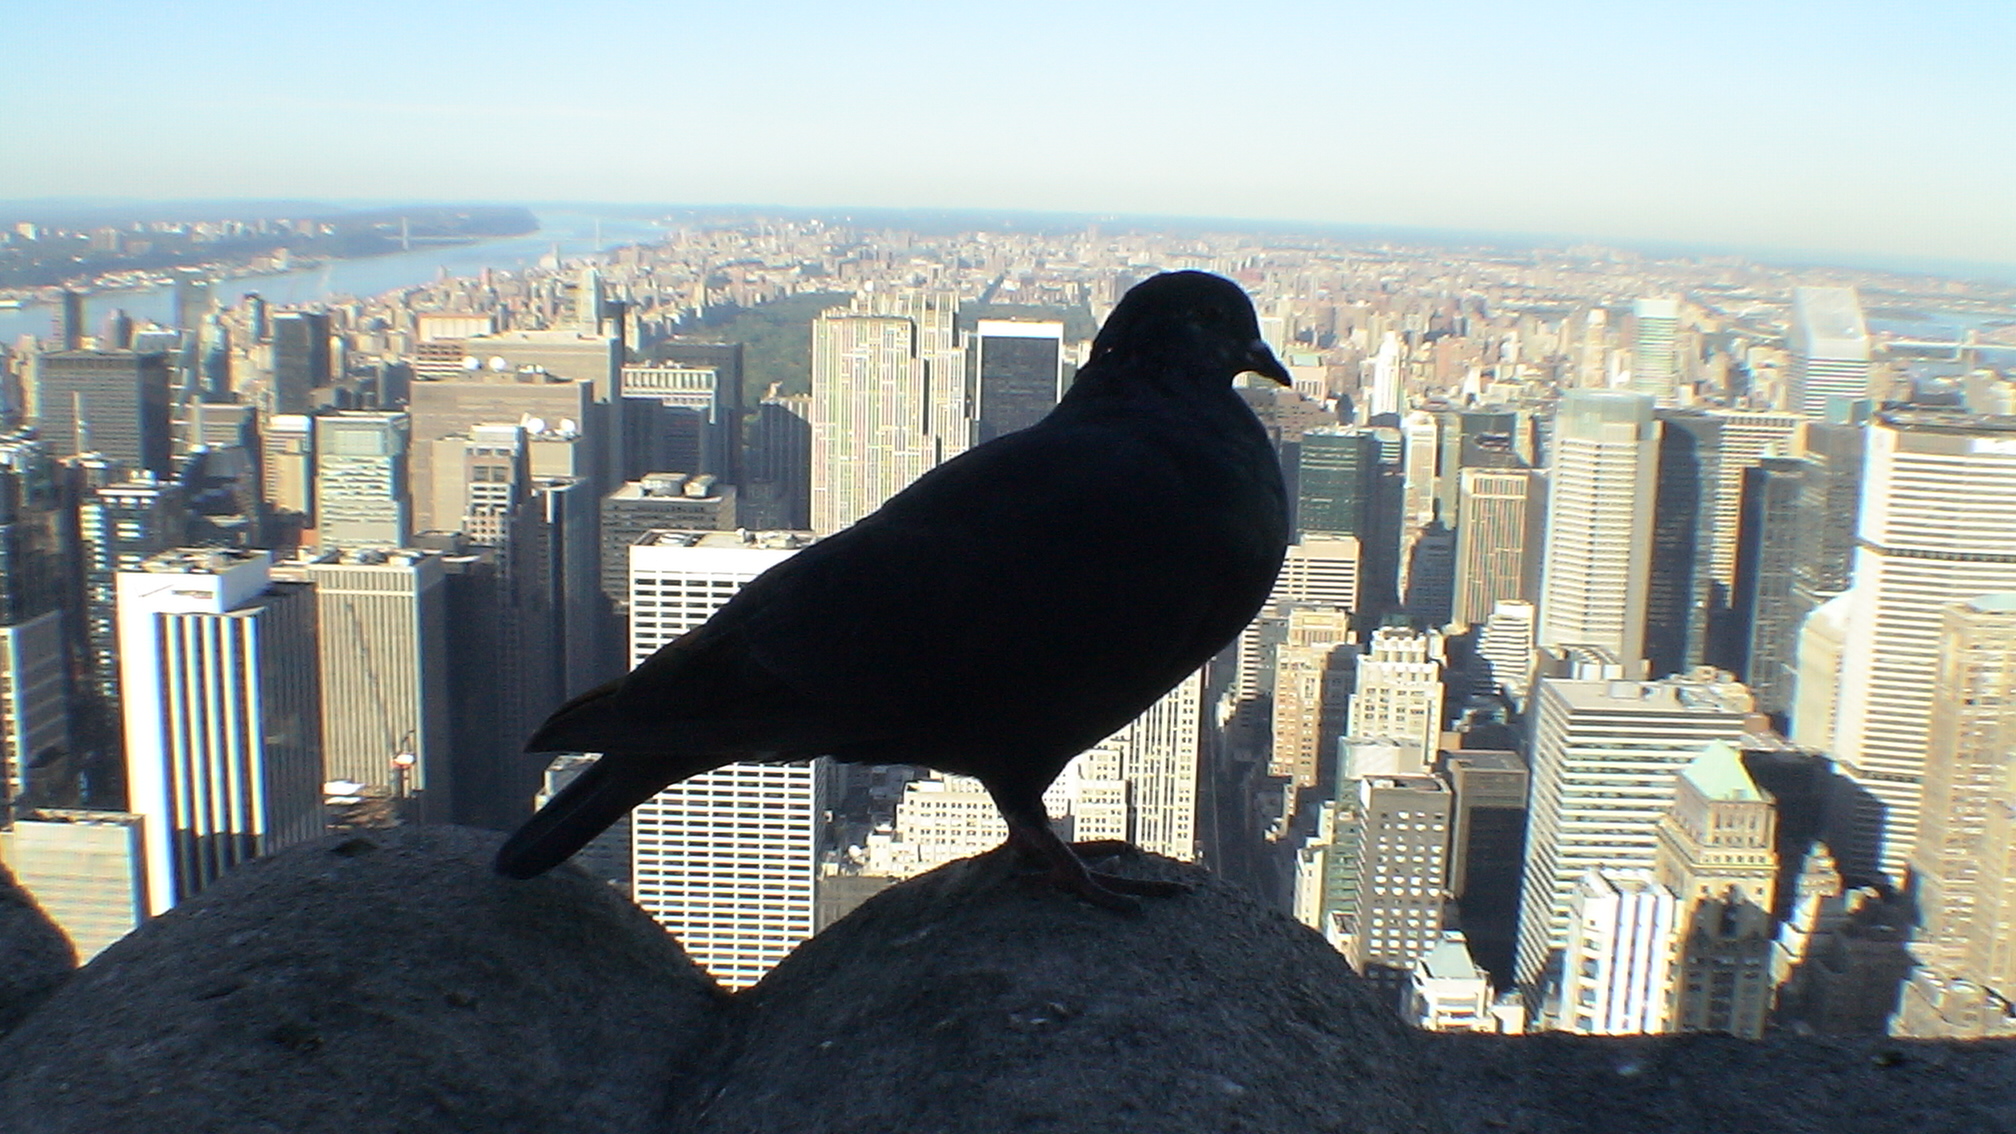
pixel 378 982
pixel 970 1000
pixel 35 956
pixel 390 982
pixel 1702 1084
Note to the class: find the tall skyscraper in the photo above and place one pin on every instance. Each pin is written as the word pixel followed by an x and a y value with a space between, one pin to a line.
pixel 888 400
pixel 361 493
pixel 120 526
pixel 1767 606
pixel 111 402
pixel 1596 566
pixel 1386 394
pixel 1962 863
pixel 1018 374
pixel 1938 527
pixel 1604 755
pixel 1655 358
pixel 382 619
pixel 1703 455
pixel 1337 476
pixel 727 861
pixel 677 419
pixel 222 721
pixel 1497 533
pixel 66 330
pixel 1829 344
pixel 301 360
pixel 38 623
pixel 547 407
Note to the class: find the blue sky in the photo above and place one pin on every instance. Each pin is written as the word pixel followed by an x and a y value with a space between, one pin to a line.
pixel 1868 128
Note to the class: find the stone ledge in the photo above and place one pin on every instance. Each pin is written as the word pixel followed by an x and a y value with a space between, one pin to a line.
pixel 390 982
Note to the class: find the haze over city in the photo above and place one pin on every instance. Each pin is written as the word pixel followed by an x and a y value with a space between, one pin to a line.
pixel 1865 129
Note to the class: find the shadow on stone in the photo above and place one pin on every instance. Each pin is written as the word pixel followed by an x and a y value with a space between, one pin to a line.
pixel 35 956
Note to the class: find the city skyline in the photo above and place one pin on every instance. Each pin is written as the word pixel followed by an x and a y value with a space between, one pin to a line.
pixel 1730 127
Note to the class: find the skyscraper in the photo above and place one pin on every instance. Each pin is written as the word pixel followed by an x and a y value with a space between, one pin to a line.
pixel 1018 374
pixel 382 621
pixel 727 860
pixel 66 331
pixel 38 622
pixel 1337 475
pixel 111 402
pixel 1402 830
pixel 1962 863
pixel 361 479
pixel 1604 755
pixel 119 527
pixel 301 360
pixel 1767 606
pixel 888 400
pixel 1655 359
pixel 1938 527
pixel 1497 534
pixel 1829 344
pixel 1596 565
pixel 222 760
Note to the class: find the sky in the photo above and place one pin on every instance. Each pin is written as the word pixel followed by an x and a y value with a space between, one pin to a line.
pixel 1873 129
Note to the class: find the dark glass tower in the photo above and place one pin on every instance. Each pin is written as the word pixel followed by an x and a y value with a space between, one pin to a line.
pixel 301 361
pixel 1016 374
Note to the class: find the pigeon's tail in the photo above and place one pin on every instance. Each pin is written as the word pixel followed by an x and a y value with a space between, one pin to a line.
pixel 596 798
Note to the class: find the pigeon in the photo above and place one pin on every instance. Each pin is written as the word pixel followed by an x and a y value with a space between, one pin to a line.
pixel 1008 610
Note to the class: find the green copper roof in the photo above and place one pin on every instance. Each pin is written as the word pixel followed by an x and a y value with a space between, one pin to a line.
pixel 1995 603
pixel 1718 773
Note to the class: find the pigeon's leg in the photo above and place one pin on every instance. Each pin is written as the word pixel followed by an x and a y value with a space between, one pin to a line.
pixel 1030 834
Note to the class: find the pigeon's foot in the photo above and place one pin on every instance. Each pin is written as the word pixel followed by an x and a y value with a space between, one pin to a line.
pixel 1067 870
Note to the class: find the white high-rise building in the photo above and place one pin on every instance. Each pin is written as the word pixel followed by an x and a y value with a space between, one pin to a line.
pixel 1507 643
pixel 1655 358
pixel 1386 396
pixel 1604 758
pixel 1597 559
pixel 1398 694
pixel 1938 527
pixel 219 692
pixel 1618 979
pixel 726 861
pixel 889 400
pixel 1830 349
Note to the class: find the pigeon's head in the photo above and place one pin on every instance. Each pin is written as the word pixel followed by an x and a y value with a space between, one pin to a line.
pixel 1187 322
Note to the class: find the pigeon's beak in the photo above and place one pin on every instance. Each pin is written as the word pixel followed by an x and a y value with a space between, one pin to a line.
pixel 1260 360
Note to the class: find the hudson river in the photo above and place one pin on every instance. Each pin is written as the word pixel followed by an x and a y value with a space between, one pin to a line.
pixel 573 233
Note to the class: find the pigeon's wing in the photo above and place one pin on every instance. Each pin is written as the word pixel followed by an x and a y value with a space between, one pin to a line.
pixel 1072 569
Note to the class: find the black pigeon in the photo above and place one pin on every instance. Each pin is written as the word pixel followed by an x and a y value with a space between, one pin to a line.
pixel 1010 609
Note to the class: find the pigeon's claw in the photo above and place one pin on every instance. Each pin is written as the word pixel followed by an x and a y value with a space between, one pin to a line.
pixel 1037 843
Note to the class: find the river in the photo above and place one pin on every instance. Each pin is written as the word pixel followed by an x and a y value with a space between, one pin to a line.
pixel 573 233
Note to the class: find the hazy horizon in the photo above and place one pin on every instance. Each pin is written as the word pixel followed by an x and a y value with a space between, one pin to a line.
pixel 1850 129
